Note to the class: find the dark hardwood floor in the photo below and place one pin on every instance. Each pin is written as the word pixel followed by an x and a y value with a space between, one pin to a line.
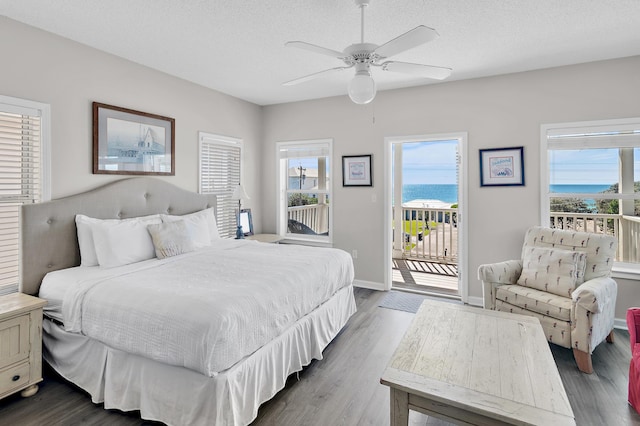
pixel 344 388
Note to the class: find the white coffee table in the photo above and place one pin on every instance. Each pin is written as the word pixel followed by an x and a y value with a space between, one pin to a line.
pixel 474 366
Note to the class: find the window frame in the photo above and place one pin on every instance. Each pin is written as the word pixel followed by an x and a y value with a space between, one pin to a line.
pixel 28 107
pixel 283 191
pixel 625 270
pixel 222 141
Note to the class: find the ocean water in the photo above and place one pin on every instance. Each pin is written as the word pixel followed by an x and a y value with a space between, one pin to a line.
pixel 445 192
pixel 579 189
pixel 449 192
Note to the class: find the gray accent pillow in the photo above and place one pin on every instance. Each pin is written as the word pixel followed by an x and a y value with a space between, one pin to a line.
pixel 170 238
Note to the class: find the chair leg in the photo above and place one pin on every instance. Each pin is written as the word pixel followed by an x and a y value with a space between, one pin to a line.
pixel 583 359
pixel 610 337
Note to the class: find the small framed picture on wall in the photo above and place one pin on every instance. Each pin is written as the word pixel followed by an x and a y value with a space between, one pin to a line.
pixel 502 166
pixel 356 170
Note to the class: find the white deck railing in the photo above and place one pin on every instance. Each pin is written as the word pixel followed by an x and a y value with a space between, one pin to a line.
pixel 315 216
pixel 625 228
pixel 430 234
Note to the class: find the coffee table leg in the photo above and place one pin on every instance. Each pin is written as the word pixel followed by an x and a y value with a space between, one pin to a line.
pixel 399 407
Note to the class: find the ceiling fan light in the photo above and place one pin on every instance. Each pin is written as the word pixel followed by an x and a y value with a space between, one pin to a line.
pixel 362 88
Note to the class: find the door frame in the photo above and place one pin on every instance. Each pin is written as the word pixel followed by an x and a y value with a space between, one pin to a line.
pixel 463 246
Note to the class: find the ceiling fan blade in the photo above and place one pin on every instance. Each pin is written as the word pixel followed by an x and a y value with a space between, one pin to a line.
pixel 316 49
pixel 412 38
pixel 314 75
pixel 427 71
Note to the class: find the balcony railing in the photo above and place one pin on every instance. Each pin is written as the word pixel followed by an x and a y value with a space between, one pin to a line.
pixel 430 234
pixel 625 228
pixel 315 216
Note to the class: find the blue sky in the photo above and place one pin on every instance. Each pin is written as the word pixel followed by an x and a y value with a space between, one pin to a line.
pixel 589 167
pixel 429 162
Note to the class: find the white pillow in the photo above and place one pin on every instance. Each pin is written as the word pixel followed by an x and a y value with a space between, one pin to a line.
pixel 84 226
pixel 170 238
pixel 122 242
pixel 201 225
pixel 85 240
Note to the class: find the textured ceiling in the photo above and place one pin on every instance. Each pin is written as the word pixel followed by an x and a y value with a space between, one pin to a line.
pixel 237 46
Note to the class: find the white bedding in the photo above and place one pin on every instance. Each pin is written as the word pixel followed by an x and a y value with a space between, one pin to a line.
pixel 204 310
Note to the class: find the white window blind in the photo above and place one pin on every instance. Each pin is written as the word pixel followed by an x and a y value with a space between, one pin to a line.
pixel 220 174
pixel 21 180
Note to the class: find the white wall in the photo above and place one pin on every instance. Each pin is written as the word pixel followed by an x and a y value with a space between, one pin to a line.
pixel 500 111
pixel 40 66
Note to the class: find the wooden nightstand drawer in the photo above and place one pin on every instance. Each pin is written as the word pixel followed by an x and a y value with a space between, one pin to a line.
pixel 14 378
pixel 14 340
pixel 20 344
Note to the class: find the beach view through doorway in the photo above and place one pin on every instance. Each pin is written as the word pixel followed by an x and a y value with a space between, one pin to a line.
pixel 425 200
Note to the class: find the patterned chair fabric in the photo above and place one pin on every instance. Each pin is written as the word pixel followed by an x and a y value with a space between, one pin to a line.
pixel 563 279
pixel 633 322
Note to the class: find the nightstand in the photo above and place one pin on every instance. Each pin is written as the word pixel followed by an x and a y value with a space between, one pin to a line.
pixel 266 238
pixel 20 344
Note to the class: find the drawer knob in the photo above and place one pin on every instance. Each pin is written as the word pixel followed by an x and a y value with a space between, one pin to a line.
pixel 15 378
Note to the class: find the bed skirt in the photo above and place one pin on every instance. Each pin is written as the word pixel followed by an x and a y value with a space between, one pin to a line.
pixel 178 396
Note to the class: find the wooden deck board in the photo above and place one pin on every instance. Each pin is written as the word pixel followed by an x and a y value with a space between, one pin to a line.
pixel 420 275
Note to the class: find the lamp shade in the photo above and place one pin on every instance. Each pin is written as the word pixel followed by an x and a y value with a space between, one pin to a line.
pixel 239 193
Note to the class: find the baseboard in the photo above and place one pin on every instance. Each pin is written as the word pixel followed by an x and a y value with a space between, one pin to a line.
pixel 371 285
pixel 475 301
pixel 620 323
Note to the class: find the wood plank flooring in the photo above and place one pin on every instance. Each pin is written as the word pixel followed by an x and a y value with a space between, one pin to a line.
pixel 344 388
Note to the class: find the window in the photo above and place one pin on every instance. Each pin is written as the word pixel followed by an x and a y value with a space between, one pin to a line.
pixel 24 176
pixel 304 208
pixel 219 174
pixel 592 181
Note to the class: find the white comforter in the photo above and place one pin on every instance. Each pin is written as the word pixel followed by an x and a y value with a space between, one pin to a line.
pixel 204 310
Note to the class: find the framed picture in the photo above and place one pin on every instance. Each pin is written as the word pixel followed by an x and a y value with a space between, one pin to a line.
pixel 502 166
pixel 128 142
pixel 356 170
pixel 246 222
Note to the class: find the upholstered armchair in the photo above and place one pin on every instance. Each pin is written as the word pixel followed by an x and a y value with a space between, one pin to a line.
pixel 563 279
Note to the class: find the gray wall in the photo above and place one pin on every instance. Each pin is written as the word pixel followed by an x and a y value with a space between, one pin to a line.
pixel 500 111
pixel 496 112
pixel 69 76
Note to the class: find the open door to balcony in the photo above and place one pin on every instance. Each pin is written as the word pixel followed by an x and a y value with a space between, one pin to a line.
pixel 425 200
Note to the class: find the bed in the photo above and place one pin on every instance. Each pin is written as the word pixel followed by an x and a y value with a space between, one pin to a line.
pixel 201 337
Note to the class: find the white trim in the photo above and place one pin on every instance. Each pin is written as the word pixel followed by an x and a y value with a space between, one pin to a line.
pixel 463 189
pixel 475 301
pixel 281 191
pixel 620 270
pixel 221 142
pixel 371 285
pixel 220 139
pixel 306 242
pixel 26 106
pixel 620 324
pixel 624 270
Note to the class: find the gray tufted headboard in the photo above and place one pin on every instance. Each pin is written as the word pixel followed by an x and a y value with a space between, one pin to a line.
pixel 48 239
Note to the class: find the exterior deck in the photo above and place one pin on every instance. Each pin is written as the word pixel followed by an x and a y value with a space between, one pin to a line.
pixel 425 277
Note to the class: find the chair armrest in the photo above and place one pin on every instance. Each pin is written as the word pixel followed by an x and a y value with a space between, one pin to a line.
pixel 495 274
pixel 594 295
pixel 592 312
pixel 506 272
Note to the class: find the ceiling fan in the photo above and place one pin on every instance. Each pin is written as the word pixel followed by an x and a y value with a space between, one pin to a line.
pixel 362 56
